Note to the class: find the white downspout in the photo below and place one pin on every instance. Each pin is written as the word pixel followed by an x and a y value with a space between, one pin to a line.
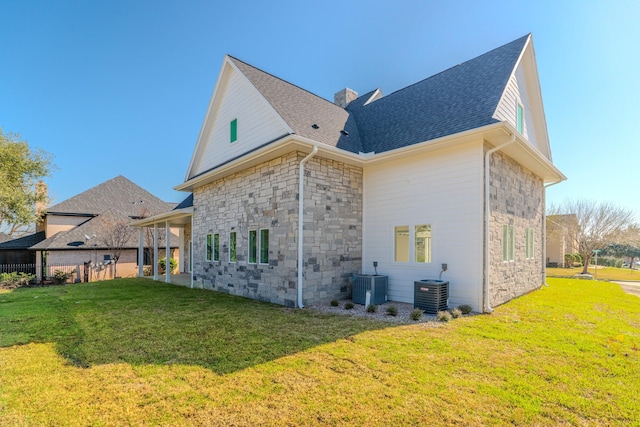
pixel 487 213
pixel 301 221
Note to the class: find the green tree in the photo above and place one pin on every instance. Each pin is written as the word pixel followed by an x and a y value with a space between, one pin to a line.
pixel 595 225
pixel 21 168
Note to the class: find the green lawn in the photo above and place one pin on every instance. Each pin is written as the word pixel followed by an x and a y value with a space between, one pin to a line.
pixel 136 352
pixel 604 273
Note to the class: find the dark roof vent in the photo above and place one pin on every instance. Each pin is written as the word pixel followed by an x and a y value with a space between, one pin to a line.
pixel 344 132
pixel 315 126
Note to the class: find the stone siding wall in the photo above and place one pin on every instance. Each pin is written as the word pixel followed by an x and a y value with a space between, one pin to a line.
pixel 517 198
pixel 266 196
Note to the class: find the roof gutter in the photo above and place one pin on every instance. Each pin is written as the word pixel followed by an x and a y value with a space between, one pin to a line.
pixel 487 213
pixel 301 221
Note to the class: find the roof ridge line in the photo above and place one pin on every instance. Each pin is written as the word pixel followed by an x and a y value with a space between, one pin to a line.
pixel 285 81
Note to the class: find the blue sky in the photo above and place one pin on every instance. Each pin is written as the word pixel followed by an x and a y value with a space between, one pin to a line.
pixel 121 87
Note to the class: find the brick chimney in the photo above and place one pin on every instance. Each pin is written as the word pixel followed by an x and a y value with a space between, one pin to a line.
pixel 41 204
pixel 344 97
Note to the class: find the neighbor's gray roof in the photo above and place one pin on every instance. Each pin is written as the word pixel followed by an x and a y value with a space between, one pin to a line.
pixel 86 236
pixel 24 242
pixel 118 198
pixel 301 109
pixel 461 98
pixel 117 194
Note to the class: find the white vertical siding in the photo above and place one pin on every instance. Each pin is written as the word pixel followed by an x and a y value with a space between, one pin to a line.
pixel 516 92
pixel 257 124
pixel 444 189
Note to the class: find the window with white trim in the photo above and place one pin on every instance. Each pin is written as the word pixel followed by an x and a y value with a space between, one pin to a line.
pixel 508 243
pixel 209 248
pixel 401 237
pixel 232 246
pixel 259 246
pixel 216 247
pixel 529 239
pixel 422 243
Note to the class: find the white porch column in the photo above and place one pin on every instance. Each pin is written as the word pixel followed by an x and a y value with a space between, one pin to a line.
pixel 155 251
pixel 140 252
pixel 167 252
pixel 191 252
pixel 180 257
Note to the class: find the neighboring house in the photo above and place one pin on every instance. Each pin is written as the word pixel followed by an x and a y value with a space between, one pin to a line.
pixel 74 232
pixel 15 254
pixel 560 241
pixel 292 194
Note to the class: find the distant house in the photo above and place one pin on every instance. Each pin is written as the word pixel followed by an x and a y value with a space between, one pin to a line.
pixel 292 194
pixel 560 239
pixel 73 232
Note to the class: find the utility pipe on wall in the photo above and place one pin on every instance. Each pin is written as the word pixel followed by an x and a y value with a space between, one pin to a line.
pixel 487 212
pixel 301 221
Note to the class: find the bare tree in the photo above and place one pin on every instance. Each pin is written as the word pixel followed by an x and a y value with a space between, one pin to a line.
pixel 114 232
pixel 596 225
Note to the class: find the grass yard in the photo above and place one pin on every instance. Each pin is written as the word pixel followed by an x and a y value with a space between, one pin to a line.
pixel 604 273
pixel 137 352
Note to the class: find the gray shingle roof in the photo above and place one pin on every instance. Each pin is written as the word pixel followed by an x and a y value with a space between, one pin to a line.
pixel 118 198
pixel 186 203
pixel 301 109
pixel 118 194
pixel 23 242
pixel 461 98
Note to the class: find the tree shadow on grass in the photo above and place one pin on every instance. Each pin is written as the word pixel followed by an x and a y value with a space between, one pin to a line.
pixel 140 322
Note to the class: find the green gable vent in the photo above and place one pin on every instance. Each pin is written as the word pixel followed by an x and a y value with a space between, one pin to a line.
pixel 234 130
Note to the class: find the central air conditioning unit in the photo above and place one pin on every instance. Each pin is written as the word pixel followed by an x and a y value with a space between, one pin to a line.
pixel 376 284
pixel 431 296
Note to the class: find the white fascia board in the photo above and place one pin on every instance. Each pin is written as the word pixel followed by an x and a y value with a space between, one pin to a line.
pixel 179 214
pixel 494 133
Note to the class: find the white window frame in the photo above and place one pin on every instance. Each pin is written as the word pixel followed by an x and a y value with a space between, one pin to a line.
pixel 508 243
pixel 529 243
pixel 208 237
pixel 235 244
pixel 411 241
pixel 257 247
pixel 213 249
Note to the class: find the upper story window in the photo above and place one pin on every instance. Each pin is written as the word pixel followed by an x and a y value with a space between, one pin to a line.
pixel 519 118
pixel 233 130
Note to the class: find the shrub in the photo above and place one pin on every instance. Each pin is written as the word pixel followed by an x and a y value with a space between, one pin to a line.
pixel 372 308
pixel 59 277
pixel 455 313
pixel 335 303
pixel 348 306
pixel 444 316
pixel 392 310
pixel 569 259
pixel 15 279
pixel 162 262
pixel 416 314
pixel 465 309
pixel 577 258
